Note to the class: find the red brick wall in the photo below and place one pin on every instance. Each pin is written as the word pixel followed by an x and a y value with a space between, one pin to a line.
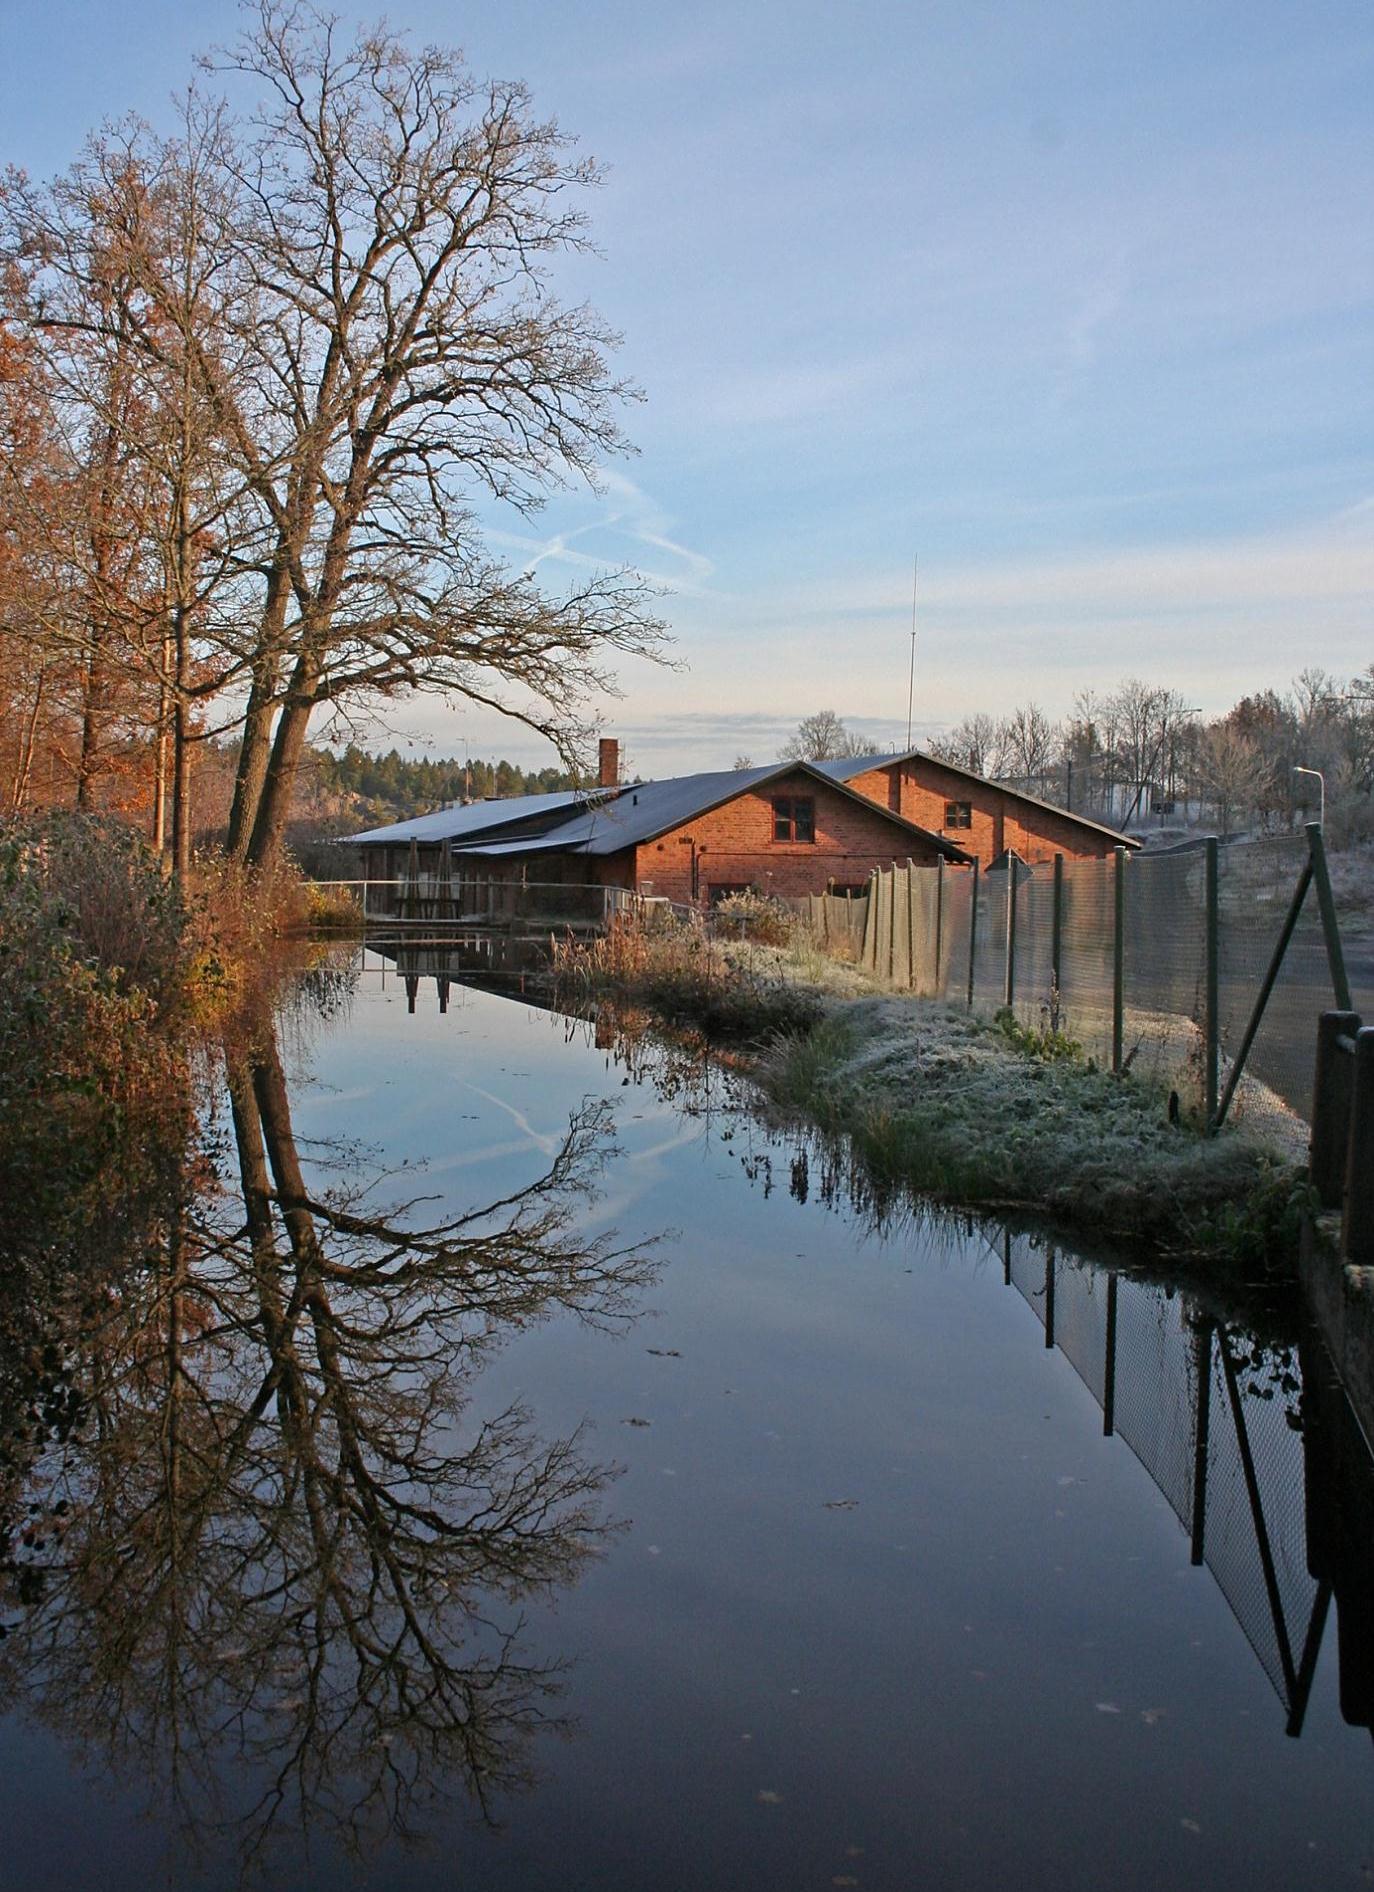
pixel 1000 820
pixel 735 846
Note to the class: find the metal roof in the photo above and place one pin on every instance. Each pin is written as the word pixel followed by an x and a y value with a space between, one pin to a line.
pixel 451 824
pixel 843 768
pixel 645 810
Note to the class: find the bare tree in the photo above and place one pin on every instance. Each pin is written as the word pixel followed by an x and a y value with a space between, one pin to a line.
pixel 1232 772
pixel 393 221
pixel 822 738
pixel 972 744
pixel 1027 741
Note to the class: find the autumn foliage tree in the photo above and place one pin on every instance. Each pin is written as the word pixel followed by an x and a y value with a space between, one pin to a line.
pixel 292 356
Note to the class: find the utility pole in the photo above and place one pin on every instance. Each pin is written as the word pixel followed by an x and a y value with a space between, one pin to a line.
pixel 911 677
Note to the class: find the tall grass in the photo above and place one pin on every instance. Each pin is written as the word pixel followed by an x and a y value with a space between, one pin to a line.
pixel 680 974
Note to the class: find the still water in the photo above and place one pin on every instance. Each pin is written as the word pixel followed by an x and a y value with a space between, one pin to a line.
pixel 511 1465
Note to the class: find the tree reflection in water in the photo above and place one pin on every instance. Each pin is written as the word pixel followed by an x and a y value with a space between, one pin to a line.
pixel 260 1554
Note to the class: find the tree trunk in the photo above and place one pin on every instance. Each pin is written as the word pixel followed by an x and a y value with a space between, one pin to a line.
pixel 256 746
pixel 288 746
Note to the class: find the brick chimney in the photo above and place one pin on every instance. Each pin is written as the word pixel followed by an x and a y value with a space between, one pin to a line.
pixel 608 773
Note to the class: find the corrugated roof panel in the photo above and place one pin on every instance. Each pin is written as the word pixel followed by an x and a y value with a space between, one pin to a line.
pixel 473 817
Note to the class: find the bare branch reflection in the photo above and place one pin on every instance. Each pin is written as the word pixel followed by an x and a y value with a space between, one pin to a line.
pixel 270 1557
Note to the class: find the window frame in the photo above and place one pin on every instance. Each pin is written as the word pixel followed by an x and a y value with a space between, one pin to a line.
pixel 792 813
pixel 959 815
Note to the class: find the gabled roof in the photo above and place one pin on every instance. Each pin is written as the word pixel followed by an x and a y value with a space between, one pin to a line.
pixel 481 817
pixel 845 768
pixel 646 810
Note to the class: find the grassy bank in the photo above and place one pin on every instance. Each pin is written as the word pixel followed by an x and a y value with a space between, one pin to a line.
pixel 970 1111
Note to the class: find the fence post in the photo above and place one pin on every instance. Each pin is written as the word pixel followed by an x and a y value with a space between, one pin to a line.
pixel 939 921
pixel 911 923
pixel 1335 958
pixel 972 934
pixel 1332 1090
pixel 1211 1022
pixel 1057 942
pixel 892 928
pixel 1357 1229
pixel 1118 955
pixel 1009 975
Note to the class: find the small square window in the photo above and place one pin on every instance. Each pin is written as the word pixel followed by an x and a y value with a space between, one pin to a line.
pixel 794 818
pixel 958 814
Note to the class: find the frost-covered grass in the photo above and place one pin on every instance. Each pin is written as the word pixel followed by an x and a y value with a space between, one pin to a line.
pixel 973 1111
pixel 968 1110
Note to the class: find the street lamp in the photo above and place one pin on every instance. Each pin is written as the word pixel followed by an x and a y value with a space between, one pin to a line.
pixel 1321 783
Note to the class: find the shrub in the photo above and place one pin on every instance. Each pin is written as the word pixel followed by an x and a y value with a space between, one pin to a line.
pixel 754 916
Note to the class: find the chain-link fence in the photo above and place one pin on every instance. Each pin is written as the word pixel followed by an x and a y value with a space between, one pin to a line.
pixel 1154 963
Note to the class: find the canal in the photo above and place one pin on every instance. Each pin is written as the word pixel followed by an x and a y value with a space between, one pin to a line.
pixel 512 1464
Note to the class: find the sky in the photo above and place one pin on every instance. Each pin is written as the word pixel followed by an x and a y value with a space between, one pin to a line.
pixel 1068 307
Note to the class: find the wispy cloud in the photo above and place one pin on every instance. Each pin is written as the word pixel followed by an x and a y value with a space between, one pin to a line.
pixel 626 527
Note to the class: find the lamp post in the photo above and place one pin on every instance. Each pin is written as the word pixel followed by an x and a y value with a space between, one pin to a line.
pixel 1321 783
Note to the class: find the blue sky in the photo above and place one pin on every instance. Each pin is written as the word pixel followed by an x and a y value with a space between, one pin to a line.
pixel 1073 300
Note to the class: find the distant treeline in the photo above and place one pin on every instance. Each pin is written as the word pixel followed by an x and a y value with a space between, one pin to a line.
pixel 393 784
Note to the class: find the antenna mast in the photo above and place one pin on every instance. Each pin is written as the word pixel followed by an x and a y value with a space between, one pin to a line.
pixel 911 679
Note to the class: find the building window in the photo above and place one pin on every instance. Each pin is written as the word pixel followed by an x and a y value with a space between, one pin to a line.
pixel 958 814
pixel 794 818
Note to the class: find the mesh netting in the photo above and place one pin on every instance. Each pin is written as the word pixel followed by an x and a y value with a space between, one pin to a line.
pixel 1081 1298
pixel 925 932
pixel 1156 1389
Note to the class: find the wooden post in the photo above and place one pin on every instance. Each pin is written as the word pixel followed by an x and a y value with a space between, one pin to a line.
pixel 939 922
pixel 972 934
pixel 1357 1228
pixel 1332 1090
pixel 911 923
pixel 1118 956
pixel 1211 1023
pixel 1057 944
pixel 892 928
pixel 1009 972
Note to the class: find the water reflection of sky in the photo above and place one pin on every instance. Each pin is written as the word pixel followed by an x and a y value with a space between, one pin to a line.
pixel 888 1608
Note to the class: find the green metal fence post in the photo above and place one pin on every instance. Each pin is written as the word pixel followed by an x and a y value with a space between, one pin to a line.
pixel 1211 1022
pixel 1335 958
pixel 1118 956
pixel 1009 975
pixel 973 934
pixel 1275 965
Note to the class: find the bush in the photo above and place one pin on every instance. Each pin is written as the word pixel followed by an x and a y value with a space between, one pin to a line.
pixel 753 916
pixel 93 962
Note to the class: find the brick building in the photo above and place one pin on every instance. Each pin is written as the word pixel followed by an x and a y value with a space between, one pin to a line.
pixel 786 829
pixel 986 818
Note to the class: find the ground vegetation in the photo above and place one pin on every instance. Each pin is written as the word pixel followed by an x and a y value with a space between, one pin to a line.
pixel 967 1110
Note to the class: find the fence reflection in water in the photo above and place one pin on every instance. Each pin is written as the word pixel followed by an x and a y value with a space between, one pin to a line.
pixel 1253 1447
